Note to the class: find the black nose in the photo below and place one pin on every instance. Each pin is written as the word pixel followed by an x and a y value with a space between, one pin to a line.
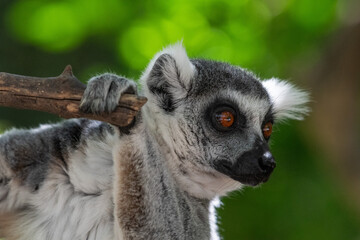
pixel 267 162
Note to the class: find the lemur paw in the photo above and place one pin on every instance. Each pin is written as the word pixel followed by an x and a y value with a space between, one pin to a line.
pixel 103 92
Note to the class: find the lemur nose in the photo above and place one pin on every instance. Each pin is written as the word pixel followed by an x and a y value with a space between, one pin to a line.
pixel 267 162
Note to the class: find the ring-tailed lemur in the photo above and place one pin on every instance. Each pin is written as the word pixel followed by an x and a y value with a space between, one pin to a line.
pixel 203 133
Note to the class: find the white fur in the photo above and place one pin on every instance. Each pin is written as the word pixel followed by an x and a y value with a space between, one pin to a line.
pixel 207 183
pixel 215 203
pixel 92 172
pixel 288 101
pixel 66 209
pixel 41 128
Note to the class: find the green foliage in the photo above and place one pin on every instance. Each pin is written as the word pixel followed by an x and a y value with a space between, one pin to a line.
pixel 301 200
pixel 256 34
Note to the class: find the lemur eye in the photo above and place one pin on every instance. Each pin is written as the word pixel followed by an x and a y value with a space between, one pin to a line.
pixel 267 130
pixel 225 118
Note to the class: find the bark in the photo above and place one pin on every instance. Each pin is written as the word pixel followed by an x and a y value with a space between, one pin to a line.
pixel 61 96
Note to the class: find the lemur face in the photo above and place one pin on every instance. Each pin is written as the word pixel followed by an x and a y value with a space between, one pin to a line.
pixel 216 119
pixel 231 113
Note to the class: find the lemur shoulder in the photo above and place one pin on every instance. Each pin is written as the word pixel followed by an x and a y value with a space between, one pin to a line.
pixel 203 133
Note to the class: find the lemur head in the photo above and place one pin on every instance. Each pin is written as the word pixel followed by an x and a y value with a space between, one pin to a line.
pixel 214 120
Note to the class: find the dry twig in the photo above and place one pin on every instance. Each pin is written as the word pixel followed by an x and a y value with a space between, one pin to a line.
pixel 61 96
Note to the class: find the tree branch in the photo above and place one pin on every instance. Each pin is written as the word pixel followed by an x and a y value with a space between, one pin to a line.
pixel 61 96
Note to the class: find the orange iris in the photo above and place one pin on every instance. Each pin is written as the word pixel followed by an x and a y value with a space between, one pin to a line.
pixel 225 118
pixel 267 130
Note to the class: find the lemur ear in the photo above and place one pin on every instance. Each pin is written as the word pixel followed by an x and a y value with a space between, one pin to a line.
pixel 168 76
pixel 288 101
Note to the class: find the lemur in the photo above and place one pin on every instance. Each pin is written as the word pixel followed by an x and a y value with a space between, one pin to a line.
pixel 204 132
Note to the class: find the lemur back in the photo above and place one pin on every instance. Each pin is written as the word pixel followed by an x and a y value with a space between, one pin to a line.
pixel 203 133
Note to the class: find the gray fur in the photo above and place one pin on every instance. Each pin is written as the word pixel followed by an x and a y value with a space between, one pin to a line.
pixel 226 75
pixel 84 179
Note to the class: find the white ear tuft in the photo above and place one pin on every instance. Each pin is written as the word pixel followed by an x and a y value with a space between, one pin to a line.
pixel 288 101
pixel 178 53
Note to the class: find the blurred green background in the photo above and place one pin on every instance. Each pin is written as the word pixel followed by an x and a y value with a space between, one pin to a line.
pixel 314 192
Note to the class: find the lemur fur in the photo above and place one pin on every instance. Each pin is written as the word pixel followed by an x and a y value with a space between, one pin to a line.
pixel 161 179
